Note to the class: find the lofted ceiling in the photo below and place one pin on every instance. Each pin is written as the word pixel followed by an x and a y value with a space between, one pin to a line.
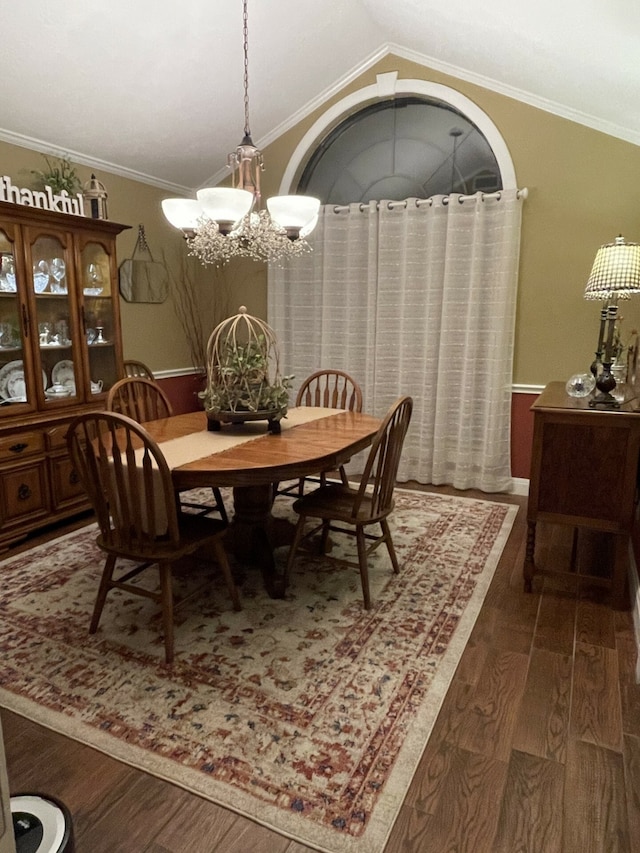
pixel 152 89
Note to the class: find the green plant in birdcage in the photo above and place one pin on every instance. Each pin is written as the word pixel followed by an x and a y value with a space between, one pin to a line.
pixel 243 373
pixel 60 175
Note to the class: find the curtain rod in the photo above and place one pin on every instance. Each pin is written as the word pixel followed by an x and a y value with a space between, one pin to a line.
pixel 391 205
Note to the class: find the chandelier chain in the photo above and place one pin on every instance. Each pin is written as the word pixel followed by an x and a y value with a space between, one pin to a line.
pixel 228 222
pixel 245 37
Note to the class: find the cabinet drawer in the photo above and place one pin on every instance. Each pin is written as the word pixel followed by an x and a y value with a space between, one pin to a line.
pixel 65 482
pixel 57 436
pixel 24 492
pixel 20 444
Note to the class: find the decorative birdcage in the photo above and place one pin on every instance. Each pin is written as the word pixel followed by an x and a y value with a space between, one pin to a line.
pixel 243 374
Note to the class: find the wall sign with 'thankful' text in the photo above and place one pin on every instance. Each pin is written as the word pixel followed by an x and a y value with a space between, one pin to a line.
pixel 45 199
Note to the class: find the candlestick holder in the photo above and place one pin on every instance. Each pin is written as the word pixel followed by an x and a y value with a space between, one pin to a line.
pixel 605 380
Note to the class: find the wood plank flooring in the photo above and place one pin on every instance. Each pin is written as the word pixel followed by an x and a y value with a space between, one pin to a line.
pixel 536 748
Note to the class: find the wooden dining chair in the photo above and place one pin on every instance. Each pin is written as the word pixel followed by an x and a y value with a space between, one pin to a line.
pixel 144 400
pixel 139 398
pixel 329 389
pixel 343 509
pixel 129 485
pixel 137 368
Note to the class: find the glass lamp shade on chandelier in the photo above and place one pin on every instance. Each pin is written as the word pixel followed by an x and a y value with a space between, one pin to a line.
pixel 226 222
pixel 615 275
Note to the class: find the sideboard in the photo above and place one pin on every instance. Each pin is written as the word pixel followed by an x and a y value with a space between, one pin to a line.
pixel 584 473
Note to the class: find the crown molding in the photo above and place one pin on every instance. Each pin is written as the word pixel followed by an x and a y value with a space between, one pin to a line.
pixel 92 162
pixel 391 49
pixel 549 106
pixel 387 49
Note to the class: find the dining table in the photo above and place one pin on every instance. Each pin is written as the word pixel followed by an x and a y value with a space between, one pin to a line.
pixel 252 460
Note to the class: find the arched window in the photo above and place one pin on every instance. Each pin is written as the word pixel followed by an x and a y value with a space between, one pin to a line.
pixel 407 147
pixel 397 139
pixel 416 297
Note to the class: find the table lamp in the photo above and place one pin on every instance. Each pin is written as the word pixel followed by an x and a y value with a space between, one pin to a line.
pixel 615 275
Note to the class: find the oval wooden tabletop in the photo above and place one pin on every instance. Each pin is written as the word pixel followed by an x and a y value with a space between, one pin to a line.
pixel 307 448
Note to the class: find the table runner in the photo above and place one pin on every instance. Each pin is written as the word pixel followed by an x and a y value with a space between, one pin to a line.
pixel 198 445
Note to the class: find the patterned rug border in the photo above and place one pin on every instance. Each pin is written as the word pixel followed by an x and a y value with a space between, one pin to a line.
pixel 272 817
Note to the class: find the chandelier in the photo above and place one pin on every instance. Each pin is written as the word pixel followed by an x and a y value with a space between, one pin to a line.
pixel 226 222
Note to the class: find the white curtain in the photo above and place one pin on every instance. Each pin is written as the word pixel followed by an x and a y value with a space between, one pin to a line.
pixel 415 298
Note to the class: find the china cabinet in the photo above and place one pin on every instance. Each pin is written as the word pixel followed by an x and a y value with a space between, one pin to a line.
pixel 60 352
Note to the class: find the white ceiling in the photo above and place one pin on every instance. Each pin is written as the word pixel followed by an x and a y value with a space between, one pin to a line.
pixel 152 89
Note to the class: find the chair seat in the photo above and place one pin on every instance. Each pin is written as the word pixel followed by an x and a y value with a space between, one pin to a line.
pixel 336 502
pixel 196 531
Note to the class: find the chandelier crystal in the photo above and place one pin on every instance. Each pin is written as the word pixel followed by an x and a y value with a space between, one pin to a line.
pixel 226 222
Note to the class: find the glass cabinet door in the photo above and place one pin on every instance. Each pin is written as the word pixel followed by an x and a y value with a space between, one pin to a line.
pixel 15 360
pixel 56 323
pixel 99 316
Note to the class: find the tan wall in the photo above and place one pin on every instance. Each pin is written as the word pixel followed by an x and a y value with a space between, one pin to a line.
pixel 583 191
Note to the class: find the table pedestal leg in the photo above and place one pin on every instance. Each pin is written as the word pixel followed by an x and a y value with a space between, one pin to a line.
pixel 254 533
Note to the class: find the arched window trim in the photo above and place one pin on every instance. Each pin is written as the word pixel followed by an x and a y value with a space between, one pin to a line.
pixel 386 86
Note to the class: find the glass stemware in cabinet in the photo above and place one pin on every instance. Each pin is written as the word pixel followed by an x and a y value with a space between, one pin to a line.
pixel 58 270
pixel 9 336
pixel 40 276
pixel 95 284
pixel 7 274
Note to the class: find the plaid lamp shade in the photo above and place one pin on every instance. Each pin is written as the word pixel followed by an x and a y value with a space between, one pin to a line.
pixel 616 271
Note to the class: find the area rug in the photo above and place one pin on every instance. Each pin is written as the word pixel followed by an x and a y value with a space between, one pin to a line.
pixel 308 715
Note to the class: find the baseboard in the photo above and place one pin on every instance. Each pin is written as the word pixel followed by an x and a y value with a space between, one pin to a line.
pixel 519 486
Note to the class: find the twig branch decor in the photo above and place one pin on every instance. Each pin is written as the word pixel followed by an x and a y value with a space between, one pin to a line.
pixel 199 304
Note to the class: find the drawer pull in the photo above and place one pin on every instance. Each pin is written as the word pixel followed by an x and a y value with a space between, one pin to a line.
pixel 24 492
pixel 19 447
pixel 73 478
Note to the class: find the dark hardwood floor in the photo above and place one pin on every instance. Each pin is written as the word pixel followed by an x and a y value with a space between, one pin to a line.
pixel 536 748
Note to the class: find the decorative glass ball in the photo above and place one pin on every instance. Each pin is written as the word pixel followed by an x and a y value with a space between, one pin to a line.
pixel 580 385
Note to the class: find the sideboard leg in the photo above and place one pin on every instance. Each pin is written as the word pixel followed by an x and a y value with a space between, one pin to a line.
pixel 528 568
pixel 620 598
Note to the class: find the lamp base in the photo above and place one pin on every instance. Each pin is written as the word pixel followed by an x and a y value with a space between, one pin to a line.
pixel 605 383
pixel 604 400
